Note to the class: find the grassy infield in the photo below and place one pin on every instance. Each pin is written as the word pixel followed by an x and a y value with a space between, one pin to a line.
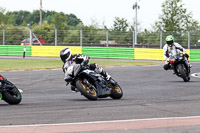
pixel 34 64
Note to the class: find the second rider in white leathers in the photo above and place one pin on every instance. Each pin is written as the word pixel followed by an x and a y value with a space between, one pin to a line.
pixel 172 48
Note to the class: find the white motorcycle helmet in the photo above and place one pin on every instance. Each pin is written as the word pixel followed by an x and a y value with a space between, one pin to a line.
pixel 65 54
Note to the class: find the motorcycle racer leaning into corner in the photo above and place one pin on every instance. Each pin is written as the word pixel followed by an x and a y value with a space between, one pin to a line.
pixel 69 59
pixel 170 49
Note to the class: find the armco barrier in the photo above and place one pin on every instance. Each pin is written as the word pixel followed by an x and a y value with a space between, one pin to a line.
pixel 14 50
pixel 108 52
pixel 194 55
pixel 53 51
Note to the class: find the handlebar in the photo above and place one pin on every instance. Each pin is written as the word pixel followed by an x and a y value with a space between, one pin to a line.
pixel 178 58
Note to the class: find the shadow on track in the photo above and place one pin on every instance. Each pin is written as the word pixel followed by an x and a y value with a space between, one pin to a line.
pixel 106 99
pixel 182 81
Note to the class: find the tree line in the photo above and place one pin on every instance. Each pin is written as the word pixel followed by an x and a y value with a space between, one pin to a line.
pixel 175 20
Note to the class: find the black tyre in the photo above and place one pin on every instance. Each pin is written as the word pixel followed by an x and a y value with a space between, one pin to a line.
pixel 116 92
pixel 89 93
pixel 183 73
pixel 12 96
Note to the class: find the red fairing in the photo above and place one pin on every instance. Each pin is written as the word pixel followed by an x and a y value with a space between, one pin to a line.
pixel 172 61
pixel 1 78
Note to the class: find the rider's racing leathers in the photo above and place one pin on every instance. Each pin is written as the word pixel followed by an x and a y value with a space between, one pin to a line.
pixel 172 51
pixel 83 60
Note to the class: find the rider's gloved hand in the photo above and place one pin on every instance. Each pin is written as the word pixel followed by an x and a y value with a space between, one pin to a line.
pixel 108 77
pixel 75 56
pixel 167 59
pixel 186 55
pixel 83 57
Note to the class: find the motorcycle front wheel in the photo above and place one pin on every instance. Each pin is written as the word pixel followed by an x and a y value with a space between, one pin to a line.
pixel 116 92
pixel 182 71
pixel 12 95
pixel 89 93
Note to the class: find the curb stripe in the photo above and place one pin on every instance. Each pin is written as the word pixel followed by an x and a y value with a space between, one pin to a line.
pixel 105 125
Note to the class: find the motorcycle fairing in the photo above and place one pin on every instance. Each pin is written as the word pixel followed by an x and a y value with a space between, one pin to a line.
pixel 98 80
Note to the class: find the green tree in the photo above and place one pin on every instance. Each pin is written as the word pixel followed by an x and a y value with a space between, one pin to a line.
pixel 120 24
pixel 20 17
pixel 3 17
pixel 174 17
pixel 45 31
pixel 47 16
pixel 72 20
pixel 59 20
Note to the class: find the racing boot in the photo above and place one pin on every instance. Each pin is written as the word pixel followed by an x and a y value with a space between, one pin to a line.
pixel 100 70
pixel 109 79
pixel 188 62
pixel 105 74
pixel 190 66
pixel 73 88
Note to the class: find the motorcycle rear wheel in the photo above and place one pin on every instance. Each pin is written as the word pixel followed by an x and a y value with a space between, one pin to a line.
pixel 12 96
pixel 184 75
pixel 89 93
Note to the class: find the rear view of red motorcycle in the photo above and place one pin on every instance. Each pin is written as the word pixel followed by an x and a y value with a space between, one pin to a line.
pixel 9 92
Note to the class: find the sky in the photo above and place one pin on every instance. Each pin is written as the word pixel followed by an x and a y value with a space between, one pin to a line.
pixel 103 12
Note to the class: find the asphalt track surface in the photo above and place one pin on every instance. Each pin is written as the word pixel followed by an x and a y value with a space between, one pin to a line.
pixel 149 93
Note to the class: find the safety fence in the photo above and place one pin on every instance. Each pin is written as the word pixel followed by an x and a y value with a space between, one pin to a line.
pixel 93 52
pixel 102 37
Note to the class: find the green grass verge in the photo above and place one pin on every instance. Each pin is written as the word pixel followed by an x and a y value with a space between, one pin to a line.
pixel 35 64
pixel 28 64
